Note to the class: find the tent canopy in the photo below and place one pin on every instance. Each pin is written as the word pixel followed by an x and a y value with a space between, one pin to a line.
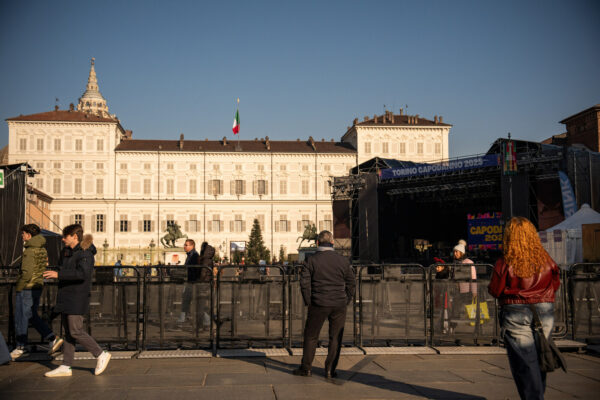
pixel 585 215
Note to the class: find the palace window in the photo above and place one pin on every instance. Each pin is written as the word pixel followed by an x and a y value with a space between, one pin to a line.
pixel 23 144
pixel 40 144
pixel 402 148
pixel 99 222
pixel 77 186
pixel 100 144
pixel 261 187
pixel 124 224
pixel 239 187
pixel 193 186
pixel 282 187
pixel 420 148
pixel 78 144
pixel 170 186
pixel 147 186
pixel 147 223
pixel 367 147
pixel 56 186
pixel 99 186
pixel 56 144
pixel 385 147
pixel 123 186
pixel 78 219
pixel 438 148
pixel 304 187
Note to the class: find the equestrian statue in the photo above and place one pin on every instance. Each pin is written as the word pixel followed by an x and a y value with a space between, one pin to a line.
pixel 174 233
pixel 310 234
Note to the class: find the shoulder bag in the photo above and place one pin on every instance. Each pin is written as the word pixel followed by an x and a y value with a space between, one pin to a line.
pixel 549 356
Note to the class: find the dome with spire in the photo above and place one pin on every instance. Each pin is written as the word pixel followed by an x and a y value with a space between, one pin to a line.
pixel 92 101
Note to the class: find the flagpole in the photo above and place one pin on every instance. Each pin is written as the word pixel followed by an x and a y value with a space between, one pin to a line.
pixel 237 110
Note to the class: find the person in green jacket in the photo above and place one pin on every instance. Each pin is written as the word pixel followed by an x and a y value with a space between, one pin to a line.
pixel 29 290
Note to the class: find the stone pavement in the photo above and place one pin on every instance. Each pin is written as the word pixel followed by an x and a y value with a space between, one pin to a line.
pixel 360 377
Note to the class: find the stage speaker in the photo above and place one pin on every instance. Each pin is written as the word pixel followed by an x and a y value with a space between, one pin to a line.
pixel 518 196
pixel 368 221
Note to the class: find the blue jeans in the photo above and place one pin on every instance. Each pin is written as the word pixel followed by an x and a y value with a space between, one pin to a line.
pixel 27 302
pixel 517 331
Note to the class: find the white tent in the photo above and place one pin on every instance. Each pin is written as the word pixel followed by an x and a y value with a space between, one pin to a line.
pixel 563 241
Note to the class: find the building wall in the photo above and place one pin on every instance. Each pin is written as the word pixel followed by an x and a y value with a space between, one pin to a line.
pixel 585 129
pixel 418 144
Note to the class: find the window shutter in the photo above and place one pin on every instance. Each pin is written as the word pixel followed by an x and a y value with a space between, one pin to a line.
pixel 243 226
pixel 266 187
pixel 72 220
pixel 276 226
pixel 289 225
pixel 129 225
pixel 320 226
pixel 152 226
pixel 187 226
pixel 93 227
pixel 209 226
pixel 254 187
pixel 299 226
pixel 231 226
pixel 243 187
pixel 163 225
pixel 232 186
pixel 140 226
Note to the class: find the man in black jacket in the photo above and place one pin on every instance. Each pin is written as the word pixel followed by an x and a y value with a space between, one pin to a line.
pixel 192 259
pixel 327 284
pixel 73 299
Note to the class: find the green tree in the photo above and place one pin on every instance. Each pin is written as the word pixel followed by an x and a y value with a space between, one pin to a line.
pixel 256 250
pixel 281 254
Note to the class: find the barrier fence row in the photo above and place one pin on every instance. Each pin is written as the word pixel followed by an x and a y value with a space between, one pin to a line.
pixel 230 306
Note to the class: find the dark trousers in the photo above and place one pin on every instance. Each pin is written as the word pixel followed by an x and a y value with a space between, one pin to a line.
pixel 314 322
pixel 74 332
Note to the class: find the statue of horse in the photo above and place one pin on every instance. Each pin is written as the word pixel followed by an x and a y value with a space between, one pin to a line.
pixel 174 233
pixel 310 234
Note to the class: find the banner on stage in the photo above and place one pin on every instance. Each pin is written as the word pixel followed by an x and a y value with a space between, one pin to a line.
pixel 485 231
pixel 489 160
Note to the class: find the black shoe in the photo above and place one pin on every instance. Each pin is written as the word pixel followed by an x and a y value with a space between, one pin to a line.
pixel 330 375
pixel 302 372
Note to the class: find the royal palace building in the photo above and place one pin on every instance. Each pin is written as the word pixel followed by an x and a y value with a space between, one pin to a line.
pixel 127 191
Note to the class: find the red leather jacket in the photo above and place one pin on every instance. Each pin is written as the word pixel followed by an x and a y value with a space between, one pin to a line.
pixel 510 289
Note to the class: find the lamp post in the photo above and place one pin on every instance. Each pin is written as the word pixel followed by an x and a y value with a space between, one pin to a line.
pixel 105 251
pixel 152 245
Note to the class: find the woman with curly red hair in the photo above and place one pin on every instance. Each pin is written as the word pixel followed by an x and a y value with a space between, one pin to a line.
pixel 525 276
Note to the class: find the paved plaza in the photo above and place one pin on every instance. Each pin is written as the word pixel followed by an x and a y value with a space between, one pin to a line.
pixel 408 376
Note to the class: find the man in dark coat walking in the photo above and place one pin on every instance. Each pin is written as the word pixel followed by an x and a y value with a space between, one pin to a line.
pixel 193 271
pixel 73 299
pixel 327 284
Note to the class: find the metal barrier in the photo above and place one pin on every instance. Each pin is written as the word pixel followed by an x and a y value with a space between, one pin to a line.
pixel 561 301
pixel 251 305
pixel 461 309
pixel 177 311
pixel 584 287
pixel 298 313
pixel 113 315
pixel 392 305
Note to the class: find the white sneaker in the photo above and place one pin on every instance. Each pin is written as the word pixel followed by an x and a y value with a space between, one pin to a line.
pixel 55 345
pixel 102 362
pixel 16 353
pixel 63 370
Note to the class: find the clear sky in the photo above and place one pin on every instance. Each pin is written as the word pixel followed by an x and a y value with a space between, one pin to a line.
pixel 305 68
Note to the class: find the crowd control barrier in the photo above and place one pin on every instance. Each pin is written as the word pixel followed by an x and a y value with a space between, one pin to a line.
pixel 298 313
pixel 113 314
pixel 166 307
pixel 392 305
pixel 461 309
pixel 584 287
pixel 178 304
pixel 251 306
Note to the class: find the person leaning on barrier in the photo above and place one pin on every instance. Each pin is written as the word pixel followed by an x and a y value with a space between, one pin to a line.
pixel 327 284
pixel 526 276
pixel 29 290
pixel 73 299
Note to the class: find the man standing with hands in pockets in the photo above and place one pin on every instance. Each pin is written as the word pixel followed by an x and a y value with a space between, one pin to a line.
pixel 327 284
pixel 73 300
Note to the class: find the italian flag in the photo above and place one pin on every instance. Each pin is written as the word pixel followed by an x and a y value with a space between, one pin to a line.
pixel 236 123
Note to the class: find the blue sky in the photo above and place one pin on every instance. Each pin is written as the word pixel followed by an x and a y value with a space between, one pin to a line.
pixel 306 68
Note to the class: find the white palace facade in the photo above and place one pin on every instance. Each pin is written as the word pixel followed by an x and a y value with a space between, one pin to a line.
pixel 125 191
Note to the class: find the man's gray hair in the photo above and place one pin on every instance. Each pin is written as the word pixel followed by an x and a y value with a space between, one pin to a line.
pixel 325 237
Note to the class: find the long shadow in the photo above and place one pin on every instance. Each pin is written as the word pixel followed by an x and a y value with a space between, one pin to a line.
pixel 374 380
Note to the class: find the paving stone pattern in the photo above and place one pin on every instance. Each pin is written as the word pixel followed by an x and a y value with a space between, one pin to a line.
pixel 403 376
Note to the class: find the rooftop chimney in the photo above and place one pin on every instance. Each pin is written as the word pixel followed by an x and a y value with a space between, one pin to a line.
pixel 56 107
pixel 435 119
pixel 366 118
pixel 224 140
pixel 128 134
pixel 71 107
pixel 267 143
pixel 181 142
pixel 440 119
pixel 401 111
pixel 355 121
